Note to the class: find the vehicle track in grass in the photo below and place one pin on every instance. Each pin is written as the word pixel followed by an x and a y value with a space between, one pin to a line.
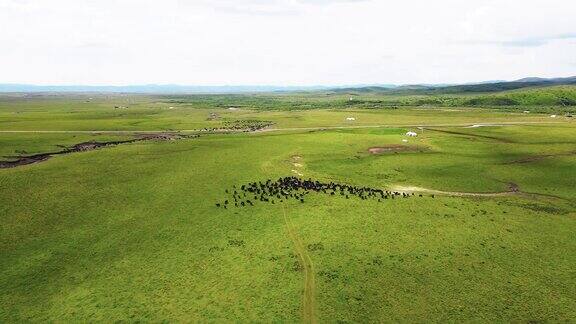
pixel 458 133
pixel 309 296
pixel 513 190
pixel 413 189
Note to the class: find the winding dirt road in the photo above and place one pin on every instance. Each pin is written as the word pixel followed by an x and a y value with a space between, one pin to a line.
pixel 412 189
pixel 309 298
pixel 513 191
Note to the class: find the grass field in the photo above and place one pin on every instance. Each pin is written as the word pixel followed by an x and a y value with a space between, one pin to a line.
pixel 132 233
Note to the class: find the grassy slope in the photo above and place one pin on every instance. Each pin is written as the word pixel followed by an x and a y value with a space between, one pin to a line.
pixel 147 238
pixel 549 96
pixel 557 99
pixel 86 112
pixel 130 232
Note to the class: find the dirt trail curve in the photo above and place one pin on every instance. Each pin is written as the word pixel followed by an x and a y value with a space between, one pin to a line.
pixel 309 300
pixel 513 190
pixel 411 189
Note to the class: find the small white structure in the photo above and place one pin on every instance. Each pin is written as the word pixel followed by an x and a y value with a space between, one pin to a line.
pixel 405 140
pixel 552 116
pixel 350 119
pixel 526 111
pixel 411 134
pixel 350 99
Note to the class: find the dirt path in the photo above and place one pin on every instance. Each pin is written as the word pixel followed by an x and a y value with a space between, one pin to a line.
pixel 513 190
pixel 411 189
pixel 309 298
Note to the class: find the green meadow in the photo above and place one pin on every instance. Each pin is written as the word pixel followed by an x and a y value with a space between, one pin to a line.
pixel 132 233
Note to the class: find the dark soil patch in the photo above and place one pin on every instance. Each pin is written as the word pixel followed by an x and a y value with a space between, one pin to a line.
pixel 25 160
pixel 87 146
pixel 315 247
pixel 213 116
pixel 393 148
pixel 512 187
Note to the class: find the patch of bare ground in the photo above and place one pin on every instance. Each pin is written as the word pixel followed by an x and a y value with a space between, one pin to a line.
pixel 295 160
pixel 87 146
pixel 24 160
pixel 512 187
pixel 393 148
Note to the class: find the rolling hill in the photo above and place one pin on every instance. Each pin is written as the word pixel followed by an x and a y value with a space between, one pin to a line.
pixel 484 87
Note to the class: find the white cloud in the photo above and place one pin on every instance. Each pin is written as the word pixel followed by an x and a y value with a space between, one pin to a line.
pixel 284 41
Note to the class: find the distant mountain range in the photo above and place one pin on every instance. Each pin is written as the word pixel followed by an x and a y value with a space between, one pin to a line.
pixel 488 86
pixel 150 88
pixel 166 88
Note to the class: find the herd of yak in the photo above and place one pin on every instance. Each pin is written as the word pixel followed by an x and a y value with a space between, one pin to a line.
pixel 241 125
pixel 295 188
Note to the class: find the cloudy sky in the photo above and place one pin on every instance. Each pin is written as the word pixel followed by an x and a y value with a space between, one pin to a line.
pixel 284 42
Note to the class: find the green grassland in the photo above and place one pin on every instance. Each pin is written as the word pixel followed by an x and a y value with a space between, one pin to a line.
pixel 131 232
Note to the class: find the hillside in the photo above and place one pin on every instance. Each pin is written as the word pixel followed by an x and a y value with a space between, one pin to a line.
pixel 484 87
pixel 546 96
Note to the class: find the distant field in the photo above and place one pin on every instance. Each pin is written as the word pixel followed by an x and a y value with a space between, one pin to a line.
pixel 141 113
pixel 132 232
pixel 548 99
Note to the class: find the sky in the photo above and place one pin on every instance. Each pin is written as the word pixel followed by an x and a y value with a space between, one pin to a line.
pixel 284 42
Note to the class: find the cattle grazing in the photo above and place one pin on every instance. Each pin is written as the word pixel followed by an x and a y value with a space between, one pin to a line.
pixel 286 188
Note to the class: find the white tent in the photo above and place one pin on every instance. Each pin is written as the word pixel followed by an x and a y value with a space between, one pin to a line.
pixel 411 134
pixel 350 118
